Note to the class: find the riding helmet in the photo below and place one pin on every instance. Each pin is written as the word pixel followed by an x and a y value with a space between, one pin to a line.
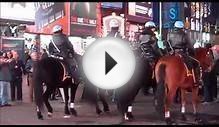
pixel 150 24
pixel 179 24
pixel 56 28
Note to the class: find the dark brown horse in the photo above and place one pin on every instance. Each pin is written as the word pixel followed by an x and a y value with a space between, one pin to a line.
pixel 171 73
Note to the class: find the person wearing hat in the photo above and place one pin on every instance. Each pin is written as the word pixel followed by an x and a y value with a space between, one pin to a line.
pixel 114 29
pixel 61 47
pixel 149 50
pixel 148 43
pixel 179 42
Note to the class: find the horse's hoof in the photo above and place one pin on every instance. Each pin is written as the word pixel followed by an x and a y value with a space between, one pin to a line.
pixel 183 117
pixel 106 110
pixel 99 112
pixel 40 116
pixel 199 120
pixel 169 121
pixel 127 117
pixel 49 114
pixel 155 102
pixel 130 116
pixel 67 116
pixel 73 112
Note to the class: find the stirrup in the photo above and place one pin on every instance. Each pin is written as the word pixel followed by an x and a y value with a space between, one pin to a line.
pixel 65 77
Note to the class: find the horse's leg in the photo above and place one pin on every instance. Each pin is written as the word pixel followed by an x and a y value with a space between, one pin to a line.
pixel 114 96
pixel 169 99
pixel 67 113
pixel 39 115
pixel 129 113
pixel 195 101
pixel 73 93
pixel 95 99
pixel 183 103
pixel 46 96
pixel 104 102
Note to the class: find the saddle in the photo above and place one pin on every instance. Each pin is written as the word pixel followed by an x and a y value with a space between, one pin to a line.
pixel 60 59
pixel 189 71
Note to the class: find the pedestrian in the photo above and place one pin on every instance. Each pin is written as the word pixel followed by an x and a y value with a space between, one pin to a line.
pixel 34 56
pixel 5 78
pixel 210 82
pixel 17 70
pixel 44 55
pixel 29 71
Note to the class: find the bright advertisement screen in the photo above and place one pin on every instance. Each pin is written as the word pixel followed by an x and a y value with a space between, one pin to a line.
pixel 83 18
pixel 48 12
pixel 142 9
pixel 115 5
pixel 23 11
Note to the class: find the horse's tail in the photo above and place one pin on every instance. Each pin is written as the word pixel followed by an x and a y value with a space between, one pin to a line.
pixel 160 92
pixel 38 88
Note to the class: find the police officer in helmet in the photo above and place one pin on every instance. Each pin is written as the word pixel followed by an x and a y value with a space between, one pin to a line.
pixel 179 42
pixel 114 26
pixel 148 43
pixel 60 46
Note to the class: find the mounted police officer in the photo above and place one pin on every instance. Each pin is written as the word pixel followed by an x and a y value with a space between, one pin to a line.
pixel 60 47
pixel 179 42
pixel 114 26
pixel 148 44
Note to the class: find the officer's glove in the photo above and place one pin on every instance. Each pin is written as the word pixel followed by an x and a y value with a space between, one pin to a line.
pixel 171 52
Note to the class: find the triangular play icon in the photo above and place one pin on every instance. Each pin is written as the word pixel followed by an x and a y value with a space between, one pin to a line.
pixel 109 63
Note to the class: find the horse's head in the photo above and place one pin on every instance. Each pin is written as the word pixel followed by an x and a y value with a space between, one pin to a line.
pixel 204 56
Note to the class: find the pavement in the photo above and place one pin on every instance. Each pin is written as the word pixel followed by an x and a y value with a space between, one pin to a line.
pixel 23 113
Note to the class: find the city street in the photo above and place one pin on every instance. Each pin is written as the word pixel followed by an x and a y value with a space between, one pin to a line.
pixel 143 110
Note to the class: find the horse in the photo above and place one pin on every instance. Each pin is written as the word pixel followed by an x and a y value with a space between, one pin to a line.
pixel 91 93
pixel 125 95
pixel 171 73
pixel 50 72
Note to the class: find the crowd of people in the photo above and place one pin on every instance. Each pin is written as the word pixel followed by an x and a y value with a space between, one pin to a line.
pixel 12 68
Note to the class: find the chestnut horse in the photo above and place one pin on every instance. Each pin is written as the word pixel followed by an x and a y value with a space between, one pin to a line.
pixel 171 73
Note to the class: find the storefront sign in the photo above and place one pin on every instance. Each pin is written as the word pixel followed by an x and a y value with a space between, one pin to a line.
pixel 170 13
pixel 114 5
pixel 48 12
pixel 140 9
pixel 83 18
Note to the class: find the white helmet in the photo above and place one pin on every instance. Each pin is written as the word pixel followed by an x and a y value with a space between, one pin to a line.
pixel 114 23
pixel 56 28
pixel 150 24
pixel 179 24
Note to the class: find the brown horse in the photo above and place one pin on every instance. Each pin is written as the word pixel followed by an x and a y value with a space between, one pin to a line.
pixel 171 73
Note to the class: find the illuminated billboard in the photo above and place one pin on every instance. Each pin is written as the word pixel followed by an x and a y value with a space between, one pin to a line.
pixel 140 9
pixel 114 5
pixel 23 11
pixel 48 12
pixel 83 18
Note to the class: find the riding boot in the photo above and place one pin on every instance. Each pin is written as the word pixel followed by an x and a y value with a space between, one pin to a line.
pixel 197 77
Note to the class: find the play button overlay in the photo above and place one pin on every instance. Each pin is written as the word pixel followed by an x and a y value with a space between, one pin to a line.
pixel 108 63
